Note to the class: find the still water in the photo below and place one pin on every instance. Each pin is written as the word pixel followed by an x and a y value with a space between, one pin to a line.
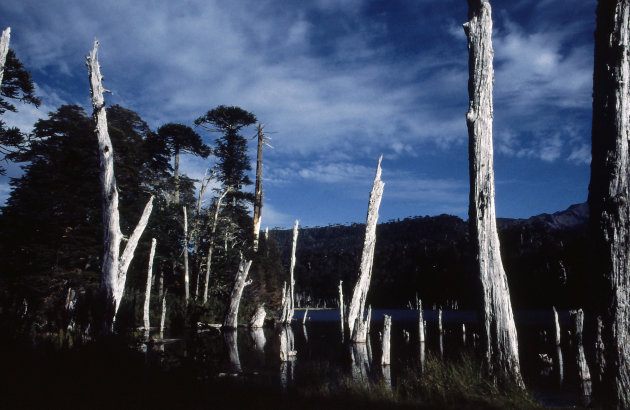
pixel 323 354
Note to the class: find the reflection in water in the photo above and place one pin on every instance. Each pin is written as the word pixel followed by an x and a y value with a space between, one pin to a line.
pixel 559 365
pixel 360 361
pixel 422 357
pixel 232 348
pixel 287 344
pixel 387 376
pixel 441 345
pixel 305 333
pixel 258 336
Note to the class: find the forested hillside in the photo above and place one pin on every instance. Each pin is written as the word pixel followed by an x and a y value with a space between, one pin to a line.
pixel 545 259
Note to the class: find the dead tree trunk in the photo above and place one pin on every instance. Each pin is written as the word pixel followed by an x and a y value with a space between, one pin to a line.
pixel 609 192
pixel 420 322
pixel 258 191
pixel 357 305
pixel 341 307
pixel 163 318
pixel 147 294
pixel 258 319
pixel 584 375
pixel 240 281
pixel 387 329
pixel 114 266
pixel 288 308
pixel 556 325
pixel 185 250
pixel 211 244
pixel 501 344
pixel 4 49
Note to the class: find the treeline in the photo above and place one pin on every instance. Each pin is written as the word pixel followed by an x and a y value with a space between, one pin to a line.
pixel 545 257
pixel 51 229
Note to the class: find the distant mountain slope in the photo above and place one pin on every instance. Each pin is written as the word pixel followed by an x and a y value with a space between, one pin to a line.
pixel 545 257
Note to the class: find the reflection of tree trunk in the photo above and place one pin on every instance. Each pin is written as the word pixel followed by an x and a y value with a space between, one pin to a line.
pixel 287 344
pixel 230 337
pixel 422 356
pixel 231 317
pixel 114 265
pixel 501 344
pixel 559 365
pixel 147 295
pixel 609 194
pixel 357 305
pixel 258 336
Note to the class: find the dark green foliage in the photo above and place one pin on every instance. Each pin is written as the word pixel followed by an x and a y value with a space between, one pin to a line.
pixel 182 139
pixel 17 84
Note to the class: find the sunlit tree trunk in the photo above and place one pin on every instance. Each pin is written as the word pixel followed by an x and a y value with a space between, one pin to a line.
pixel 288 305
pixel 584 375
pixel 114 265
pixel 258 191
pixel 501 344
pixel 609 194
pixel 387 329
pixel 240 281
pixel 357 305
pixel 4 49
pixel 147 294
pixel 258 319
pixel 185 250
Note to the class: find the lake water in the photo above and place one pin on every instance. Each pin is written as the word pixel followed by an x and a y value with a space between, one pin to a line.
pixel 322 353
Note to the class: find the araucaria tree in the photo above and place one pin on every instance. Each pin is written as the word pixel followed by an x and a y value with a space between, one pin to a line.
pixel 609 194
pixel 232 160
pixel 181 139
pixel 500 341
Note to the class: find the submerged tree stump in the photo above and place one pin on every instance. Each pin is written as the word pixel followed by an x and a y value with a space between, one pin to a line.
pixel 387 329
pixel 501 344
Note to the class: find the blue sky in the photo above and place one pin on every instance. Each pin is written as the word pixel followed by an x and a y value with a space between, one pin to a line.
pixel 337 83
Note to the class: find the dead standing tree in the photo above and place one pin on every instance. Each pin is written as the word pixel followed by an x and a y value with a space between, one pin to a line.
pixel 258 190
pixel 501 345
pixel 211 243
pixel 288 306
pixel 356 308
pixel 240 281
pixel 4 49
pixel 608 196
pixel 114 265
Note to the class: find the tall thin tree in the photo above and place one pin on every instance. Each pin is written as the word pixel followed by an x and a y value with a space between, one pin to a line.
pixel 501 344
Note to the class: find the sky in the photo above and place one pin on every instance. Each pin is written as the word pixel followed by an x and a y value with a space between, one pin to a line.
pixel 336 84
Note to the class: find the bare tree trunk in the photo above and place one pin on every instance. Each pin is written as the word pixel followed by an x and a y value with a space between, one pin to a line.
pixel 258 191
pixel 584 375
pixel 440 320
pixel 186 277
pixel 600 359
pixel 420 321
pixel 147 294
pixel 114 266
pixel 387 329
pixel 4 49
pixel 211 244
pixel 341 307
pixel 609 193
pixel 288 308
pixel 501 344
pixel 361 330
pixel 357 305
pixel 240 281
pixel 258 319
pixel 556 325
pixel 163 318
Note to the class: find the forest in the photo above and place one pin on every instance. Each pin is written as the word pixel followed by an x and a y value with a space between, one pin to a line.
pixel 104 237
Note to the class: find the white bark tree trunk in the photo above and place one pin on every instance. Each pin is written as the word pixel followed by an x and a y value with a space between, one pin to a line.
pixel 341 307
pixel 584 375
pixel 185 250
pixel 258 191
pixel 147 293
pixel 420 322
pixel 240 281
pixel 288 308
pixel 357 305
pixel 114 266
pixel 258 319
pixel 287 344
pixel 556 324
pixel 211 244
pixel 440 321
pixel 362 327
pixel 501 344
pixel 163 318
pixel 387 329
pixel 609 194
pixel 4 49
